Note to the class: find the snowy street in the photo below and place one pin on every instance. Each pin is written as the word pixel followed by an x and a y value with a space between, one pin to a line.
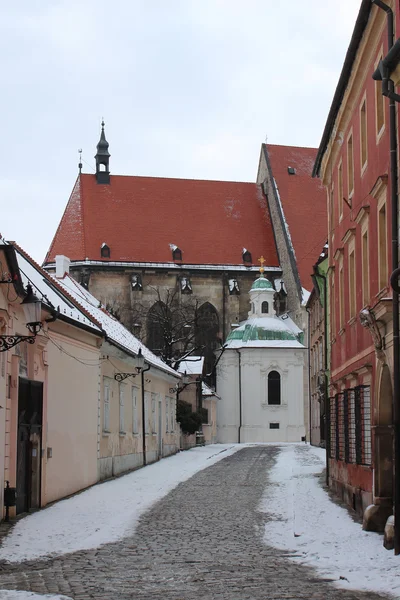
pixel 224 522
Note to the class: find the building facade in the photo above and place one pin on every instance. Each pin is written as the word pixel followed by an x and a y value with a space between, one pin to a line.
pixel 353 161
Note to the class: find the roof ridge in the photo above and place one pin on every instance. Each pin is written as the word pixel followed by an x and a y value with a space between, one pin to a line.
pixel 286 146
pixel 178 179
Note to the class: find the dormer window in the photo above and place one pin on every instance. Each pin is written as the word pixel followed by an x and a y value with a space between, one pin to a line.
pixel 105 251
pixel 186 286
pixel 176 252
pixel 233 287
pixel 246 256
pixel 136 282
pixel 291 170
pixel 264 307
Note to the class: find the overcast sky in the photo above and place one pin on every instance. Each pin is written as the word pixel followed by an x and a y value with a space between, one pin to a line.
pixel 188 88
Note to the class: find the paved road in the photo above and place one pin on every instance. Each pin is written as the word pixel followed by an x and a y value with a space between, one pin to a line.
pixel 201 542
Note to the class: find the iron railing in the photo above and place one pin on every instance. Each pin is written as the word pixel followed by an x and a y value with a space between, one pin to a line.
pixel 349 426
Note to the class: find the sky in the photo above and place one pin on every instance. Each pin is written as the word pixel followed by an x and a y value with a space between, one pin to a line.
pixel 187 88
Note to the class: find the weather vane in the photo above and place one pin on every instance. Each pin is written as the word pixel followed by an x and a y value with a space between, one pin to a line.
pixel 80 160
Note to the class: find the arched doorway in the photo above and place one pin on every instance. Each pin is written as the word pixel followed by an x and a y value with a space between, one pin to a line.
pixel 383 453
pixel 207 330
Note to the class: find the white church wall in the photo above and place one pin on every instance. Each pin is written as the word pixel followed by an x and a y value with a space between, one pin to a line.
pixel 228 406
pixel 257 414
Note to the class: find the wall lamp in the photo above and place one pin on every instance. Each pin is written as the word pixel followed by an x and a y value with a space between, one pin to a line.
pixel 139 366
pixel 33 311
pixel 178 388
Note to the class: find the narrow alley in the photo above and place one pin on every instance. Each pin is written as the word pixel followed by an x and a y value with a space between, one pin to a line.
pixel 203 540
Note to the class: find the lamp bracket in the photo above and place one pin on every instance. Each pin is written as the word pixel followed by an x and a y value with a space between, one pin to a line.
pixel 9 341
pixel 122 376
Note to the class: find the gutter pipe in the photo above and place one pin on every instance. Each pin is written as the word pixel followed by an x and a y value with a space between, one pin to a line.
pixel 388 87
pixel 240 395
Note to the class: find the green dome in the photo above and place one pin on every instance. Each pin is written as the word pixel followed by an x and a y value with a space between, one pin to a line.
pixel 262 284
pixel 260 329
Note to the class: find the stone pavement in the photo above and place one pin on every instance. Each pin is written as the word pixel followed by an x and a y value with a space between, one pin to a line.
pixel 203 541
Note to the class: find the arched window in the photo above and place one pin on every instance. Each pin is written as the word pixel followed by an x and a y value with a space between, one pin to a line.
pixel 158 326
pixel 274 387
pixel 207 330
pixel 264 307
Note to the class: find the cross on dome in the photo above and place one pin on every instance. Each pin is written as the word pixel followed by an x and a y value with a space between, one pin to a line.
pixel 261 260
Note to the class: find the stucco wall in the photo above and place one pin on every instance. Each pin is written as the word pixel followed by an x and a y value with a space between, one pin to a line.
pixel 72 412
pixel 257 414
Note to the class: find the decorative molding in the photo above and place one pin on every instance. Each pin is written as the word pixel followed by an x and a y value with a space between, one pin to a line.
pixel 348 235
pixel 380 186
pixel 362 214
pixel 338 253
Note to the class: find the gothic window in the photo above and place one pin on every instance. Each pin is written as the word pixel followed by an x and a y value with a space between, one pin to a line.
pixel 158 323
pixel 234 289
pixel 246 255
pixel 84 278
pixel 105 251
pixel 207 341
pixel 264 307
pixel 274 388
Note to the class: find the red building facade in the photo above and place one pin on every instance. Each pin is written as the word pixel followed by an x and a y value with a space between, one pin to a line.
pixel 354 163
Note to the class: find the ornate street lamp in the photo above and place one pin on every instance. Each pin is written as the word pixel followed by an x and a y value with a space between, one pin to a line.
pixel 139 366
pixel 32 308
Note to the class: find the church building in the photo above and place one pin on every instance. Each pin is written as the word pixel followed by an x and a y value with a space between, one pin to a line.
pixel 150 247
pixel 260 375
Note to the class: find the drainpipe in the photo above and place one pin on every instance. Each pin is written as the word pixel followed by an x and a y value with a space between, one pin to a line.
pixel 309 369
pixel 142 372
pixel 395 298
pixel 240 395
pixel 325 373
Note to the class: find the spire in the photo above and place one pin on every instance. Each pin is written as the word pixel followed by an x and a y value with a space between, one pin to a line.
pixel 102 159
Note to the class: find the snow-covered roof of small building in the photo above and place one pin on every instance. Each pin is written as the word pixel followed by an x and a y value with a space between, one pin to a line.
pixel 193 365
pixel 207 391
pixel 265 332
pixel 114 330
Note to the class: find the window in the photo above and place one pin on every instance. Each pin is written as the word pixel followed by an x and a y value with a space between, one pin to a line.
pixel 106 404
pixel 274 425
pixel 172 413
pixel 147 398
pixel 340 189
pixel 365 267
pixel 331 200
pixel 105 251
pixel 135 393
pixel 382 246
pixel 379 104
pixel 246 255
pixel 320 356
pixel 352 283
pixel 333 311
pixel 363 134
pixel 121 409
pixel 341 296
pixel 350 166
pixel 176 254
pixel 153 413
pixel 264 307
pixel 166 414
pixel 274 387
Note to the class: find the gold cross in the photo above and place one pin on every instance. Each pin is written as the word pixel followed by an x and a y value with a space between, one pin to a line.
pixel 262 260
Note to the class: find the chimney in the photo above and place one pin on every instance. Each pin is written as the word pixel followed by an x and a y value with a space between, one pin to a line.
pixel 62 266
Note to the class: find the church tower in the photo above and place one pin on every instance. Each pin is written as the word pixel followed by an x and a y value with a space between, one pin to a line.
pixel 102 159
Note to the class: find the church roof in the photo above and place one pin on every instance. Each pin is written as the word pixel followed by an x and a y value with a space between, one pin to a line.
pixel 141 219
pixel 262 283
pixel 303 202
pixel 265 332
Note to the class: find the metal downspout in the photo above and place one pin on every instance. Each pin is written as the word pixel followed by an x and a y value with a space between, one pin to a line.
pixel 143 416
pixel 240 395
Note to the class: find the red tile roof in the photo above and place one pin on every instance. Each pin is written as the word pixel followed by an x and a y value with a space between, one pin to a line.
pixel 139 217
pixel 304 204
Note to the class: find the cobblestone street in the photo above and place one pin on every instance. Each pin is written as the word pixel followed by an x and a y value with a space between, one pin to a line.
pixel 202 541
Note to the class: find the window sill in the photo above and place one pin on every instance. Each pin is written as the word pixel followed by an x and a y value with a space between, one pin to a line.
pixel 382 293
pixel 154 434
pixel 135 434
pixel 352 320
pixel 106 433
pixel 122 433
pixel 333 341
pixel 341 331
pixel 364 168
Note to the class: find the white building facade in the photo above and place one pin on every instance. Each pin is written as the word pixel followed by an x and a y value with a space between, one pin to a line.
pixel 260 376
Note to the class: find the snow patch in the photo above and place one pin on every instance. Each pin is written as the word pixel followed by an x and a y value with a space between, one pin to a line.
pixel 305 522
pixel 106 512
pixel 22 595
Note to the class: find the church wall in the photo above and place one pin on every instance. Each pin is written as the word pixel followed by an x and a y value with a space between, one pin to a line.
pixel 257 414
pixel 112 285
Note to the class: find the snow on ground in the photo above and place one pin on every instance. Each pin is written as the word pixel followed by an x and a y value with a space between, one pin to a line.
pixel 106 512
pixel 322 534
pixel 12 595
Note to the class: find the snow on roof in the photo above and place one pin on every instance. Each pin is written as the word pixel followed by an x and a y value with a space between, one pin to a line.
pixel 306 296
pixel 207 391
pixel 115 331
pixel 50 292
pixel 192 366
pixel 263 344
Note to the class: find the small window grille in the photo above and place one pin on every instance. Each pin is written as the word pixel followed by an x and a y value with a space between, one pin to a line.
pixel 291 170
pixel 264 307
pixel 274 425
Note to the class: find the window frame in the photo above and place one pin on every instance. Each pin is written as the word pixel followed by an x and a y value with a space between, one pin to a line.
pixel 383 271
pixel 106 404
pixel 378 93
pixel 350 165
pixel 352 279
pixel 121 414
pixel 135 409
pixel 271 392
pixel 363 133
